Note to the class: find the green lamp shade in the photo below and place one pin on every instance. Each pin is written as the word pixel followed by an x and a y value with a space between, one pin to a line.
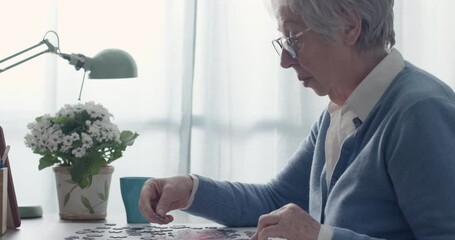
pixel 112 63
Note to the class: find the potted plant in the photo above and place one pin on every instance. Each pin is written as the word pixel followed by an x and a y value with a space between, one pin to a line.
pixel 80 141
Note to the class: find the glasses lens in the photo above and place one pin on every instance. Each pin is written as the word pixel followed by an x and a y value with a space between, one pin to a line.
pixel 278 47
pixel 288 46
pixel 285 43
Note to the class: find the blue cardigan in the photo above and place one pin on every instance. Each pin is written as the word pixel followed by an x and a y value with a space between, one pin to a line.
pixel 395 178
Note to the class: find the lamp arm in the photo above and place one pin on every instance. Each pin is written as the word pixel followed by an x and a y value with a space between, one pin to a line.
pixel 77 60
pixel 50 48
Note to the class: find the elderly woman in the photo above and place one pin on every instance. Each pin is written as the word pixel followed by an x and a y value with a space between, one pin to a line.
pixel 379 162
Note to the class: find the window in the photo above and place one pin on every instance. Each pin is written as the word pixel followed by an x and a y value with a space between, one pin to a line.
pixel 206 101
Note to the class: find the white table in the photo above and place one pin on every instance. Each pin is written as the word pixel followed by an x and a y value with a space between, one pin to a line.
pixel 51 227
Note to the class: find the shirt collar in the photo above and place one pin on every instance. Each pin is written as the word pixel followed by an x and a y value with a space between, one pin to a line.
pixel 370 90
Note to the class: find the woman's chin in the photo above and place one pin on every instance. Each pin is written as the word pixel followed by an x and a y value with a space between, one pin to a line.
pixel 317 88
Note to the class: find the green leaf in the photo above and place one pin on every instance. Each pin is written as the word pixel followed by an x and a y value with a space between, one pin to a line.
pixel 47 161
pixel 80 175
pixel 115 155
pixel 128 137
pixel 39 119
pixel 67 198
pixel 76 173
pixel 87 204
pixel 102 196
pixel 95 165
pixel 60 119
pixel 71 126
pixel 83 116
pixel 85 182
pixel 83 170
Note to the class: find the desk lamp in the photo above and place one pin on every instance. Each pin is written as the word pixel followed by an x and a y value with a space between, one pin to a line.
pixel 108 64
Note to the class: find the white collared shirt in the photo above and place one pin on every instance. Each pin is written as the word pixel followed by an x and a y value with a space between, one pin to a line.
pixel 341 126
pixel 359 104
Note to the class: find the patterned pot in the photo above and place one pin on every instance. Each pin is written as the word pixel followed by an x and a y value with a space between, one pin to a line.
pixel 83 204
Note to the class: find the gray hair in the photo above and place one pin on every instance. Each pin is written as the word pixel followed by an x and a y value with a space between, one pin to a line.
pixel 327 16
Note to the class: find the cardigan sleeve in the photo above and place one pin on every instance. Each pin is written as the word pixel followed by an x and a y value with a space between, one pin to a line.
pixel 421 164
pixel 239 204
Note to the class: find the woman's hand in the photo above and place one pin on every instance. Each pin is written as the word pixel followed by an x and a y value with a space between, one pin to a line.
pixel 289 222
pixel 161 195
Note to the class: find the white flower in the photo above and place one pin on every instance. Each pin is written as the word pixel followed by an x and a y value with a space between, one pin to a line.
pixel 65 112
pixel 30 141
pixel 66 143
pixel 75 131
pixel 86 140
pixel 78 152
pixel 75 136
pixel 54 140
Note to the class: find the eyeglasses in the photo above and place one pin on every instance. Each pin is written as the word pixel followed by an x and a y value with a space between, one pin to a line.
pixel 288 44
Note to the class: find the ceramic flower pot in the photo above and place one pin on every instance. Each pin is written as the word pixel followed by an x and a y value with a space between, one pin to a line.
pixel 83 204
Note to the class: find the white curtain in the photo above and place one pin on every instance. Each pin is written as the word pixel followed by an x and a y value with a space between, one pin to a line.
pixel 158 35
pixel 425 35
pixel 248 114
pixel 210 98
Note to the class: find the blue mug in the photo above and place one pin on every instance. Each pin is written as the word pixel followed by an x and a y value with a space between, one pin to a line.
pixel 130 188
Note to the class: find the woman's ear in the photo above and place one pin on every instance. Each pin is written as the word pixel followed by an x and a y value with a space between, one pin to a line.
pixel 352 29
